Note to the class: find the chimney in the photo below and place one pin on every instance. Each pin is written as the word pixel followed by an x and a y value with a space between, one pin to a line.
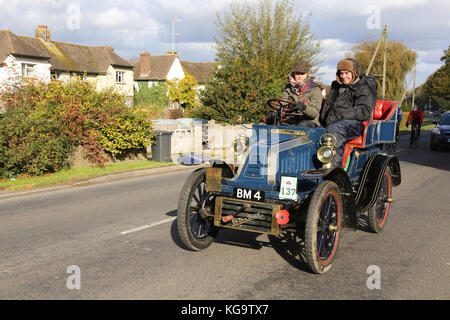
pixel 42 32
pixel 144 63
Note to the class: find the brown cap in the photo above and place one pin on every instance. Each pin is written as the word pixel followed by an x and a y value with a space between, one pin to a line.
pixel 350 65
pixel 301 66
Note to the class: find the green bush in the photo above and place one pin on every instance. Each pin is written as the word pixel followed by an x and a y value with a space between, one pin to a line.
pixel 32 140
pixel 43 123
pixel 153 98
pixel 128 131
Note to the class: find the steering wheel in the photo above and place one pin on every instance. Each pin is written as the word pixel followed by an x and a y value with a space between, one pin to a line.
pixel 277 107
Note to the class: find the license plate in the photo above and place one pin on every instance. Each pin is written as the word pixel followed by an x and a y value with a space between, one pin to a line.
pixel 448 139
pixel 288 188
pixel 249 194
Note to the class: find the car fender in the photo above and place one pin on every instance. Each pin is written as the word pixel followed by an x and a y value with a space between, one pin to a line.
pixel 371 177
pixel 340 177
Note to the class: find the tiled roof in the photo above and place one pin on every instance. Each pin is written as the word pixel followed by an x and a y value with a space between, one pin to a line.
pixel 64 57
pixel 201 71
pixel 159 67
pixel 12 44
pixel 78 58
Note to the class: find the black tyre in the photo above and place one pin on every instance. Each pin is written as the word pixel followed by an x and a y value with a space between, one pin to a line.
pixel 196 231
pixel 411 140
pixel 379 213
pixel 323 227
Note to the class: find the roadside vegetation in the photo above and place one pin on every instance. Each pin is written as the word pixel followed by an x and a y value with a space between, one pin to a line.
pixel 74 175
pixel 42 125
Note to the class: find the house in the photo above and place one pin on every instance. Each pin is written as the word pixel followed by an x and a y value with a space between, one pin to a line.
pixel 20 60
pixel 153 69
pixel 201 71
pixel 46 60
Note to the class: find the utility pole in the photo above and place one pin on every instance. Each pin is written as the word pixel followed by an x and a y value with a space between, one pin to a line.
pixel 414 86
pixel 384 34
pixel 384 61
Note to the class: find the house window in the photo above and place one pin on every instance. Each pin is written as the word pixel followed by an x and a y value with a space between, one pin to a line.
pixel 120 76
pixel 27 70
pixel 54 75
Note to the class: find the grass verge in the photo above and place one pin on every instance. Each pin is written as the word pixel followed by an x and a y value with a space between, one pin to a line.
pixel 74 175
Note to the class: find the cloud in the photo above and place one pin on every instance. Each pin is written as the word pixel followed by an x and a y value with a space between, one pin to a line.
pixel 115 17
pixel 131 26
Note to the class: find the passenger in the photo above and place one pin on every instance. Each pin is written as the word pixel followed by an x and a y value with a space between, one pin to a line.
pixel 352 98
pixel 306 93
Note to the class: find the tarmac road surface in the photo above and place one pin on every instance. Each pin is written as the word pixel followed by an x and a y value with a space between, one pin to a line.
pixel 118 240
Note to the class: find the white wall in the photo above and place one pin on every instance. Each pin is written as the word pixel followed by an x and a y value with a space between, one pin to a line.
pixel 102 82
pixel 12 72
pixel 109 81
pixel 176 71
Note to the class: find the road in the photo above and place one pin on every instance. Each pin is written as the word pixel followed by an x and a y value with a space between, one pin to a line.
pixel 118 240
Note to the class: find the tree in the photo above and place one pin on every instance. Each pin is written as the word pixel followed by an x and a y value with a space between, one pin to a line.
pixel 437 86
pixel 400 60
pixel 264 39
pixel 183 90
pixel 234 90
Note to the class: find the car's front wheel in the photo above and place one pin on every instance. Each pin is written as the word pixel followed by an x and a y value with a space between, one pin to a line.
pixel 195 209
pixel 323 227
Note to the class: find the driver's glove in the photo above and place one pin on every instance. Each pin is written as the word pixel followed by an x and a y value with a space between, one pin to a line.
pixel 270 119
pixel 300 106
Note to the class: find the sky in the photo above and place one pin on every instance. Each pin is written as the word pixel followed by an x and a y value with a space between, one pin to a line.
pixel 136 25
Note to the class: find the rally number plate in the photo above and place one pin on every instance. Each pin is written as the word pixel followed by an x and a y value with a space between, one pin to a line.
pixel 288 188
pixel 249 194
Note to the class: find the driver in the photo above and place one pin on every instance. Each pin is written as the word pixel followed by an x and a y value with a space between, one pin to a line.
pixel 306 93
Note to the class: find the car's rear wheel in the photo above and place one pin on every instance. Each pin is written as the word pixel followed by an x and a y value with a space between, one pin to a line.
pixel 195 207
pixel 323 227
pixel 378 214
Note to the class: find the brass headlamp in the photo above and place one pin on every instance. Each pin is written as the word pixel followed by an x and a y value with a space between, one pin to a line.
pixel 326 152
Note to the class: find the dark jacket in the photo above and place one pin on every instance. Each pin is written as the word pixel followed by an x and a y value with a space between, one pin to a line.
pixel 312 98
pixel 355 101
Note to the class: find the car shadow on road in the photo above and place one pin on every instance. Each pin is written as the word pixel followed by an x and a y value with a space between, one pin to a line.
pixel 363 222
pixel 241 239
pixel 290 246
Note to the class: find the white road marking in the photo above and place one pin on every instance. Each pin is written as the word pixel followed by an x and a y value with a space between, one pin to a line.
pixel 147 226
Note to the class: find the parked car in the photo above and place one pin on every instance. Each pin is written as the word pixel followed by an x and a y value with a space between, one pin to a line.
pixel 440 136
pixel 287 184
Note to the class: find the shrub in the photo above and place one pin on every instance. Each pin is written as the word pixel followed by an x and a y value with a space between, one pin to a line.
pixel 153 98
pixel 130 130
pixel 32 140
pixel 43 123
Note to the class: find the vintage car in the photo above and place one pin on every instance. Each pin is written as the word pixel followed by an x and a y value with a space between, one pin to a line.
pixel 287 183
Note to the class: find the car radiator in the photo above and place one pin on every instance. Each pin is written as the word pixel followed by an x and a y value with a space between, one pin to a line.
pixel 245 215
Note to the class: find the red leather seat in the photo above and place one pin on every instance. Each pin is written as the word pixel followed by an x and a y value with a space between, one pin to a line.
pixel 383 110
